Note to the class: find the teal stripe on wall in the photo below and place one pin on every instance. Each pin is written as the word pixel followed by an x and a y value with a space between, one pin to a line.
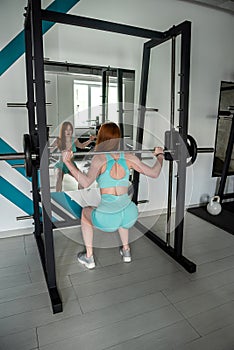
pixel 15 196
pixel 67 203
pixel 16 47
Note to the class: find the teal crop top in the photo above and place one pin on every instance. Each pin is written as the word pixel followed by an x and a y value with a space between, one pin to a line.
pixel 105 179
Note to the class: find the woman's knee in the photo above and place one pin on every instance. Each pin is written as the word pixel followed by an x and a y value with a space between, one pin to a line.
pixel 86 215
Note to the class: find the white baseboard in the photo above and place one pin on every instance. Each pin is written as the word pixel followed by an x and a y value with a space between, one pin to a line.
pixel 29 230
pixel 16 233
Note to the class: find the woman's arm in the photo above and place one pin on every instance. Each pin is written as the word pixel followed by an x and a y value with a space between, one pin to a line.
pixel 85 180
pixel 86 143
pixel 154 171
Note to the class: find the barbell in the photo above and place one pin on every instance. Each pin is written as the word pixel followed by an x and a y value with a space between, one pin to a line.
pixel 31 158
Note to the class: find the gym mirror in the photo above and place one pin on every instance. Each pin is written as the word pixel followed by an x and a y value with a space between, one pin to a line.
pixel 224 120
pixel 74 93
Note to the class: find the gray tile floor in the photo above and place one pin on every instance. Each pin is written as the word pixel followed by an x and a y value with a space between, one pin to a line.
pixel 151 303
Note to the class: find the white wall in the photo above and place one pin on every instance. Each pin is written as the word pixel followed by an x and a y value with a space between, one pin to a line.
pixel 211 62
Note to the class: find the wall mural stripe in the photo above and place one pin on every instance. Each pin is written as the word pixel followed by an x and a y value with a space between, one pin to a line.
pixel 15 196
pixel 67 203
pixel 16 47
pixel 19 199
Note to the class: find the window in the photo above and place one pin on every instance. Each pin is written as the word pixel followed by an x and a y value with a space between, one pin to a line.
pixel 76 92
pixel 88 102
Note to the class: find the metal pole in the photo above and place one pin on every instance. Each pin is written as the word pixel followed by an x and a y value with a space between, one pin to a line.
pixel 48 246
pixel 141 113
pixel 103 96
pixel 93 153
pixel 92 23
pixel 14 156
pixel 120 104
pixel 172 121
pixel 31 121
pixel 183 130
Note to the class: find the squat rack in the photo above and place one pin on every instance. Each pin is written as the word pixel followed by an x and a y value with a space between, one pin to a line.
pixel 38 129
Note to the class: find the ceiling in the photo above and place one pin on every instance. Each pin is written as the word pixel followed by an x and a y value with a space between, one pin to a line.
pixel 222 5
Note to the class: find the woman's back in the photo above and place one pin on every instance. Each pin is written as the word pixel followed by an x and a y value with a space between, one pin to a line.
pixel 114 175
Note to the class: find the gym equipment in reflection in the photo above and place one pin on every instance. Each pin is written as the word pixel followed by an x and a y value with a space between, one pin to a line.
pixel 223 165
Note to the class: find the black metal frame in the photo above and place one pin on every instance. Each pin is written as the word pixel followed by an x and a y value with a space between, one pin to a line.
pixel 38 127
pixel 184 29
pixel 226 164
pixel 105 84
pixel 35 74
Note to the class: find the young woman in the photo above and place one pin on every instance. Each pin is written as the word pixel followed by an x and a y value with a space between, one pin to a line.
pixel 116 211
pixel 66 141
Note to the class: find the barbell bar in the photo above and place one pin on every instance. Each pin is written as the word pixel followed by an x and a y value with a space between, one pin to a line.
pixel 134 151
pixel 93 153
pixel 21 156
pixel 29 157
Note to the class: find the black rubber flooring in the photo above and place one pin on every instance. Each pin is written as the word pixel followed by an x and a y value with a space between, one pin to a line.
pixel 225 220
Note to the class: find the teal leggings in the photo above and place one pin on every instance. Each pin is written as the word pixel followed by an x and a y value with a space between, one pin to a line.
pixel 114 212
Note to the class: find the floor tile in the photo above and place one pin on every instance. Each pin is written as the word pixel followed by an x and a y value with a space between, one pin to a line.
pixel 119 332
pixel 133 291
pixel 31 319
pixel 26 340
pixel 162 339
pixel 152 303
pixel 85 323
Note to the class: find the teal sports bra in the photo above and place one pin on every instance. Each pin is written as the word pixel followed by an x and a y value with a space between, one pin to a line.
pixel 105 179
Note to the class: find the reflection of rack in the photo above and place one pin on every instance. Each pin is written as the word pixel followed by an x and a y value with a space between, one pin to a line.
pixel 227 161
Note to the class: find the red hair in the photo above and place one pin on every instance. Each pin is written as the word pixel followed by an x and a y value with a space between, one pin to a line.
pixel 108 137
pixel 61 140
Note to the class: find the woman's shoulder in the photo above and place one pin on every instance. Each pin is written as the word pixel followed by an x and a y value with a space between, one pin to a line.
pixel 130 156
pixel 131 160
pixel 99 158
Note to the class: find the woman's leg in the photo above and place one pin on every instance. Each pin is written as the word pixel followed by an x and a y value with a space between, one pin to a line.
pixel 87 230
pixel 59 179
pixel 125 250
pixel 123 232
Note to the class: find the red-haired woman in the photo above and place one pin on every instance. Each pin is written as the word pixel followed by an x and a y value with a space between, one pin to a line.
pixel 66 141
pixel 116 211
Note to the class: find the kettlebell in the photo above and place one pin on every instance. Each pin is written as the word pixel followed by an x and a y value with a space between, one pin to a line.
pixel 214 206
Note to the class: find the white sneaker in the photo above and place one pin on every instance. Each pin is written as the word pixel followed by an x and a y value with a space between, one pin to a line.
pixel 126 255
pixel 88 262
